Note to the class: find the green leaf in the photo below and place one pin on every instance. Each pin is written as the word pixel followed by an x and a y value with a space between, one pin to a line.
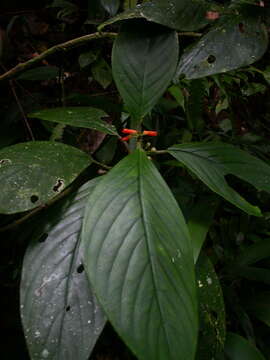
pixel 144 60
pixel 211 310
pixel 184 15
pixel 40 73
pixel 254 253
pixel 31 173
pixel 111 6
pixel 235 42
pixel 237 348
pixel 102 73
pixel 139 260
pixel 212 161
pixel 87 58
pixel 60 315
pixel 81 116
pixel 259 306
pixel 199 221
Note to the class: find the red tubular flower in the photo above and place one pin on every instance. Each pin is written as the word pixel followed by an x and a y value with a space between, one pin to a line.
pixel 129 131
pixel 126 138
pixel 150 133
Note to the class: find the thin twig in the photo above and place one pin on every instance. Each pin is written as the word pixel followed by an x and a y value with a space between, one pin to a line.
pixel 104 166
pixel 190 33
pixel 21 109
pixel 18 69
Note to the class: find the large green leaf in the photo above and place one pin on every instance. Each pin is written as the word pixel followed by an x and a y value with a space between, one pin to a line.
pixel 60 315
pixel 144 60
pixel 212 161
pixel 139 260
pixel 33 172
pixel 238 348
pixel 182 15
pixel 235 42
pixel 211 310
pixel 81 116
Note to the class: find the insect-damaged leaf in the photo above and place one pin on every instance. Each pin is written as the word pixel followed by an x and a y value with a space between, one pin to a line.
pixel 212 161
pixel 79 116
pixel 139 260
pixel 144 60
pixel 31 173
pixel 232 44
pixel 61 317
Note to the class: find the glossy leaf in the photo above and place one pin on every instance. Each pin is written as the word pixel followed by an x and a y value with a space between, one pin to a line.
pixel 111 6
pixel 61 317
pixel 83 116
pixel 211 311
pixel 144 60
pixel 184 15
pixel 139 260
pixel 199 221
pixel 31 173
pixel 235 42
pixel 237 348
pixel 212 161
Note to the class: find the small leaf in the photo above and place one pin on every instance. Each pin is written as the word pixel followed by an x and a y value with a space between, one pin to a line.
pixel 235 42
pixel 102 73
pixel 237 348
pixel 212 161
pixel 139 260
pixel 184 15
pixel 144 60
pixel 60 315
pixel 87 58
pixel 32 173
pixel 211 310
pixel 254 253
pixel 111 6
pixel 83 116
pixel 41 73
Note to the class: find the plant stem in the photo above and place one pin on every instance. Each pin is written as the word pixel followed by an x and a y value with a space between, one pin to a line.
pixel 18 69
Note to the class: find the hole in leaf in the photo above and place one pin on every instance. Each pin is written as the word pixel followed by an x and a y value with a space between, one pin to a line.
pixel 34 199
pixel 80 269
pixel 241 27
pixel 67 308
pixel 59 185
pixel 43 238
pixel 211 59
pixel 5 162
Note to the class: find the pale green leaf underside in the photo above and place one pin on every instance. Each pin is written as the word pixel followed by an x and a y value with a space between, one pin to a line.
pixel 31 173
pixel 212 161
pixel 230 45
pixel 79 116
pixel 144 61
pixel 60 315
pixel 139 260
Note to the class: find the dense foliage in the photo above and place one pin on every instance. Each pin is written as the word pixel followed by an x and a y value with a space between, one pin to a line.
pixel 135 177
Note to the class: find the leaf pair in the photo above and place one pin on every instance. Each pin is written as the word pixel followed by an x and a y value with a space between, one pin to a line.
pixel 138 257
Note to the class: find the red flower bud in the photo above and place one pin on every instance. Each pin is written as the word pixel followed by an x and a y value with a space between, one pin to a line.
pixel 150 133
pixel 126 138
pixel 129 131
pixel 212 15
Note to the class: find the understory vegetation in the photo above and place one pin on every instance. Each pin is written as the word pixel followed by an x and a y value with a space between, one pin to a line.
pixel 135 180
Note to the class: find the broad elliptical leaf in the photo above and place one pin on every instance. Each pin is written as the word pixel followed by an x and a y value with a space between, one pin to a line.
pixel 139 260
pixel 60 315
